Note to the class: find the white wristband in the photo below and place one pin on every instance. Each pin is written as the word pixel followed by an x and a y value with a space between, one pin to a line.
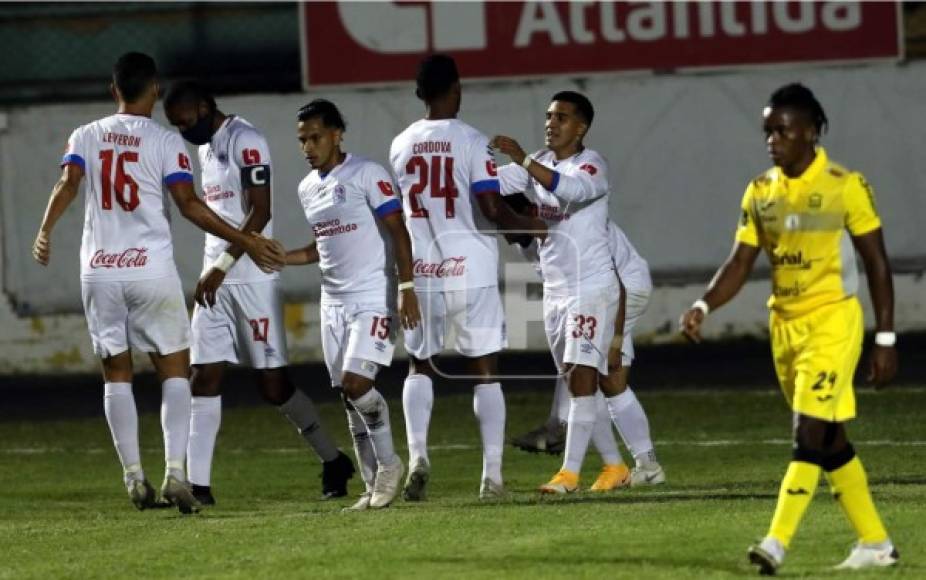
pixel 406 285
pixel 224 262
pixel 885 338
pixel 527 161
pixel 702 306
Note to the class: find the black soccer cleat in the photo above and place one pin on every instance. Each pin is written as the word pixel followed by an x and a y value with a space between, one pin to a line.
pixel 543 439
pixel 203 494
pixel 335 474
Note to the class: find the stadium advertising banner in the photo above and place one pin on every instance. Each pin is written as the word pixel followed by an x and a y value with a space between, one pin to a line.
pixel 348 43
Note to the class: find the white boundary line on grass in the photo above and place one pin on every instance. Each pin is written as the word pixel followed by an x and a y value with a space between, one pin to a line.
pixel 458 447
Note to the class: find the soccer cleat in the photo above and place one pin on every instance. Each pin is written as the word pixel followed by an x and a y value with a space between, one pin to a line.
pixel 203 494
pixel 335 474
pixel 869 556
pixel 417 481
pixel 142 494
pixel 362 503
pixel 612 477
pixel 491 490
pixel 767 555
pixel 563 482
pixel 649 474
pixel 178 493
pixel 386 485
pixel 543 439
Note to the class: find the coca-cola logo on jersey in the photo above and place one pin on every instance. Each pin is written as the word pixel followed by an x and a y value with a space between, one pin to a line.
pixel 449 268
pixel 128 258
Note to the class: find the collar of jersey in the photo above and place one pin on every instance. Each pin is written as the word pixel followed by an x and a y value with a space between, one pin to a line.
pixel 223 128
pixel 812 171
pixel 324 176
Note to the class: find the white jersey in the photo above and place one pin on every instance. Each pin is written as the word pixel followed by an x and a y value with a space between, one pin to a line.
pixel 630 265
pixel 355 253
pixel 128 160
pixel 236 145
pixel 441 166
pixel 575 253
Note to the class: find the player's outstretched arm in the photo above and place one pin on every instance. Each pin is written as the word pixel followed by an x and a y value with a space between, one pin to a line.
pixel 497 211
pixel 64 192
pixel 409 312
pixel 269 255
pixel 726 283
pixel 255 221
pixel 303 256
pixel 883 361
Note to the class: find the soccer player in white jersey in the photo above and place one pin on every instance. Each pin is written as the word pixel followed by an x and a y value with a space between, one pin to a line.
pixel 632 421
pixel 360 245
pixel 447 175
pixel 581 290
pixel 238 316
pixel 131 292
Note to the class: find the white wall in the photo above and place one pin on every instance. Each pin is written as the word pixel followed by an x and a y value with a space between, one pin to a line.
pixel 681 150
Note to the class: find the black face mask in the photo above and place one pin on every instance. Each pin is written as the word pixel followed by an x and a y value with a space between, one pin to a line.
pixel 200 133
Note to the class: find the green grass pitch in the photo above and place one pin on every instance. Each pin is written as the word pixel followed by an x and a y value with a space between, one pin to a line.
pixel 65 514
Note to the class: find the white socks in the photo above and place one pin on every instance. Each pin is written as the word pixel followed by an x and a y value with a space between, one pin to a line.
pixel 375 412
pixel 417 400
pixel 301 412
pixel 559 412
pixel 205 418
pixel 363 447
pixel 582 414
pixel 603 436
pixel 489 407
pixel 175 423
pixel 631 422
pixel 122 417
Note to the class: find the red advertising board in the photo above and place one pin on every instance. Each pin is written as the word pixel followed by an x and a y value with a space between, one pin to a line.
pixel 349 43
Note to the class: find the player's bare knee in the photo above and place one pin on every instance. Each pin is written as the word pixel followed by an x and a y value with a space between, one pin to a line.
pixel 583 380
pixel 355 385
pixel 417 366
pixel 206 380
pixel 275 386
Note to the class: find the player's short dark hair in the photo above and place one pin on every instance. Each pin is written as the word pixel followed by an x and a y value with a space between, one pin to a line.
pixel 436 74
pixel 583 105
pixel 189 92
pixel 326 111
pixel 132 74
pixel 797 96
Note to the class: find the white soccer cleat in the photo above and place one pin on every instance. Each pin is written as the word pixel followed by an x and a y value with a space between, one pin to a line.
pixel 362 504
pixel 649 474
pixel 491 490
pixel 870 556
pixel 386 485
pixel 767 555
pixel 416 484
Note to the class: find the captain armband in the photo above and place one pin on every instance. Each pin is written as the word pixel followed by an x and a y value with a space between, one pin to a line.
pixel 255 176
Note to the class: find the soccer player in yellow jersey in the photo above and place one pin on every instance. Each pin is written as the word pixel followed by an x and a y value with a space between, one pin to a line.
pixel 807 213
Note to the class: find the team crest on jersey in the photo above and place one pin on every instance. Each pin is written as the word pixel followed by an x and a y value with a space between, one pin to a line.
pixel 589 168
pixel 340 195
pixel 815 201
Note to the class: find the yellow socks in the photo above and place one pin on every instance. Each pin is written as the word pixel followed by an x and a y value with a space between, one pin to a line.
pixel 797 489
pixel 850 488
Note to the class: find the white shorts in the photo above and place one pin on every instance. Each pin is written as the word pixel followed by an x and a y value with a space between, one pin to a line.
pixel 636 306
pixel 149 315
pixel 580 328
pixel 245 326
pixel 362 332
pixel 474 317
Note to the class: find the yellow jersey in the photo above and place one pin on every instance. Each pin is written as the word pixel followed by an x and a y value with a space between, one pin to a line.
pixel 804 225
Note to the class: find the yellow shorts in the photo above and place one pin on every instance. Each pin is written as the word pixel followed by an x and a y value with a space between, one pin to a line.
pixel 815 357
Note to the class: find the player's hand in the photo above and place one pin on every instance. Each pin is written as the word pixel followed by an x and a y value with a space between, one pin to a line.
pixel 268 254
pixel 882 365
pixel 409 312
pixel 690 324
pixel 615 361
pixel 509 147
pixel 540 230
pixel 207 286
pixel 41 248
